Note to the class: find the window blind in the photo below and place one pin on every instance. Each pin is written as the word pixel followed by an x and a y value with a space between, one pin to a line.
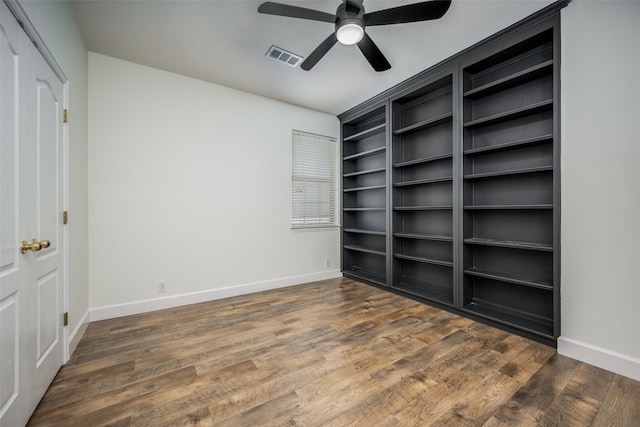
pixel 313 181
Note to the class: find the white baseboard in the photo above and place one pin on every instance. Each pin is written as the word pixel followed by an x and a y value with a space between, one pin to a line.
pixel 135 307
pixel 78 332
pixel 601 357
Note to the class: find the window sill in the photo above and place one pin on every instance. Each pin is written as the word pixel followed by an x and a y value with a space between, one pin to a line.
pixel 314 227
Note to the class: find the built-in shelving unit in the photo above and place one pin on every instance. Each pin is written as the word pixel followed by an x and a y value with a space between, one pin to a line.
pixel 422 195
pixel 364 197
pixel 451 183
pixel 508 191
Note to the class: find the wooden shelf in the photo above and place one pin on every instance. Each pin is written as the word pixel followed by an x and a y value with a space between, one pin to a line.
pixel 510 145
pixel 510 244
pixel 423 181
pixel 365 133
pixel 370 187
pixel 363 209
pixel 423 208
pixel 362 249
pixel 364 153
pixel 364 172
pixel 423 237
pixel 424 124
pixel 366 276
pixel 534 324
pixel 510 81
pixel 509 207
pixel 361 231
pixel 423 160
pixel 510 278
pixel 425 260
pixel 509 172
pixel 511 114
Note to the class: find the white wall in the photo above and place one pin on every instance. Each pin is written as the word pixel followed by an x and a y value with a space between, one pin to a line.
pixel 600 184
pixel 190 183
pixel 56 25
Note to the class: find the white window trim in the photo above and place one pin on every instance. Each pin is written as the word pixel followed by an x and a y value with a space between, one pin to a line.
pixel 309 162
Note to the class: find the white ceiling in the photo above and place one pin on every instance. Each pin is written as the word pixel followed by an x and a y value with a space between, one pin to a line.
pixel 225 41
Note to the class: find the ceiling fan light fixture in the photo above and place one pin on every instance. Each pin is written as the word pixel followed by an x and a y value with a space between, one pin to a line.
pixel 350 33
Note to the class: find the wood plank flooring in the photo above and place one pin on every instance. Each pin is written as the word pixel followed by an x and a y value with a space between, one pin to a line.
pixel 330 353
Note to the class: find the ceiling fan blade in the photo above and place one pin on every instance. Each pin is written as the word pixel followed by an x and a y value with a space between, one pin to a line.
pixel 373 54
pixel 319 52
pixel 280 9
pixel 416 12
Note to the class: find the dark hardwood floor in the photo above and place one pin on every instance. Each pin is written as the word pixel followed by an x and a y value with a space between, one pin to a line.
pixel 330 353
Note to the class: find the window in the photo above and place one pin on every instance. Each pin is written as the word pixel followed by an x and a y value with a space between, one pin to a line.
pixel 313 191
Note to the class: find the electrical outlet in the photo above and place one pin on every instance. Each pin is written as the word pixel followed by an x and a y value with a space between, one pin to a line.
pixel 326 263
pixel 162 286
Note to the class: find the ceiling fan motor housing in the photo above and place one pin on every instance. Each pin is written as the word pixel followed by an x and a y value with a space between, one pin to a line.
pixel 349 23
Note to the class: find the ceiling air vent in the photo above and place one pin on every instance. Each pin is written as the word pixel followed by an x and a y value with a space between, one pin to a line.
pixel 282 55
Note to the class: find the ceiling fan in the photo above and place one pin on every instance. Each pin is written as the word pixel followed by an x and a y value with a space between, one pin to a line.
pixel 350 21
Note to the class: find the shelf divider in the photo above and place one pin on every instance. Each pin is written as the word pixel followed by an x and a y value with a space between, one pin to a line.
pixel 424 124
pixel 367 277
pixel 510 145
pixel 426 289
pixel 508 207
pixel 423 208
pixel 422 181
pixel 423 160
pixel 512 80
pixel 365 133
pixel 423 237
pixel 361 231
pixel 511 114
pixel 509 172
pixel 362 249
pixel 364 172
pixel 363 209
pixel 510 278
pixel 534 324
pixel 364 153
pixel 370 187
pixel 425 260
pixel 509 244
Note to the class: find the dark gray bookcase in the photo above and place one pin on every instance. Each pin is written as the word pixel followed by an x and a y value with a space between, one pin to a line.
pixel 508 191
pixel 422 194
pixel 364 196
pixel 451 182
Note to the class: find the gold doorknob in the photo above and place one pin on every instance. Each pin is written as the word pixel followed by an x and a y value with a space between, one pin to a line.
pixel 34 245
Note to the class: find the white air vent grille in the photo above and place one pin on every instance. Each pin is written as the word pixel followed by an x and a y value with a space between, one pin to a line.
pixel 282 55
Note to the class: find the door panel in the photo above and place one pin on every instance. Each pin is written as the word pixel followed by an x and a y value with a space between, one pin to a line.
pixel 9 358
pixel 45 281
pixel 31 191
pixel 48 144
pixel 13 274
pixel 47 329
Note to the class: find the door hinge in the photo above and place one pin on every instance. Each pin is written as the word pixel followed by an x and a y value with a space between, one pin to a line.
pixel 65 318
pixel 65 116
pixel 65 217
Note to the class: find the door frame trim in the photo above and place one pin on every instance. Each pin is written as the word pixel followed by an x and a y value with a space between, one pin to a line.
pixel 18 12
